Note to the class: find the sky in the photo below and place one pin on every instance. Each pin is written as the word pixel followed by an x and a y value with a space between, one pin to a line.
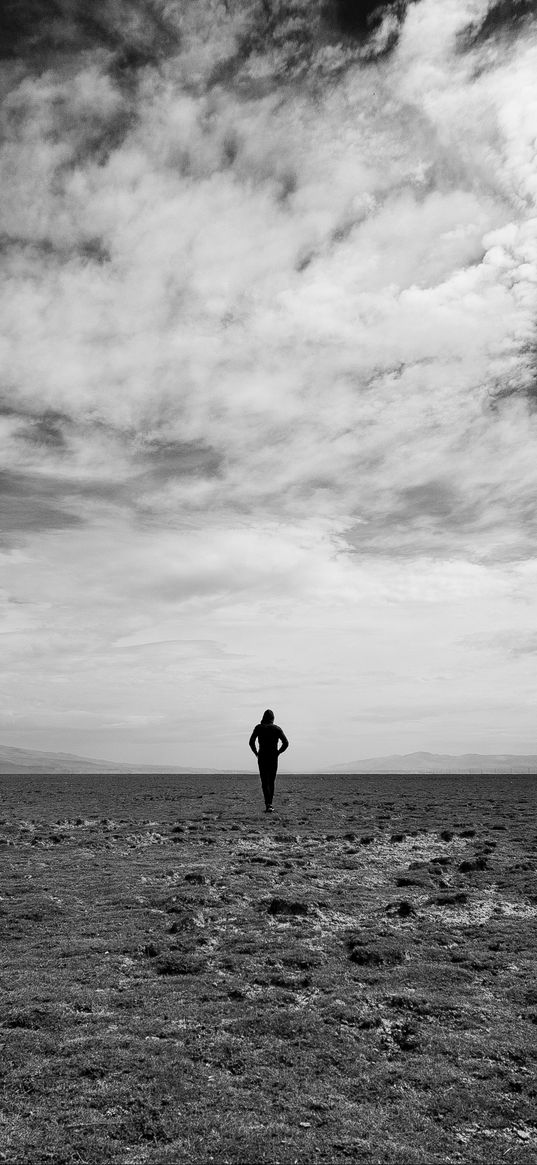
pixel 268 378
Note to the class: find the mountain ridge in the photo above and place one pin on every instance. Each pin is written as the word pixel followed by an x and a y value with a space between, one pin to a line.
pixel 27 760
pixel 24 760
pixel 430 762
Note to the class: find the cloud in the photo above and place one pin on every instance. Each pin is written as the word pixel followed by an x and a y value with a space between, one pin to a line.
pixel 25 508
pixel 505 19
pixel 523 645
pixel 265 343
pixel 511 642
pixel 138 31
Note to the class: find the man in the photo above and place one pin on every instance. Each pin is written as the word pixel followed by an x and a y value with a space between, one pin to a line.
pixel 268 736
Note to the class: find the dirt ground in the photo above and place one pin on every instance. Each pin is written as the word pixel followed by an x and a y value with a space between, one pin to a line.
pixel 187 979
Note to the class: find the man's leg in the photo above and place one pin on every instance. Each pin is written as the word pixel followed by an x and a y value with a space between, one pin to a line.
pixel 264 782
pixel 271 780
pixel 271 770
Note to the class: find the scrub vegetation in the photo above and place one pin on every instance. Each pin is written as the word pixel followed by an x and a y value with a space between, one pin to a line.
pixel 187 980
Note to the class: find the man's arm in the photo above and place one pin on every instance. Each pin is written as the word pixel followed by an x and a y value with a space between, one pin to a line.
pixel 252 740
pixel 284 743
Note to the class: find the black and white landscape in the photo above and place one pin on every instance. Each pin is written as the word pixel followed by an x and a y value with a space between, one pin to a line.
pixel 268 439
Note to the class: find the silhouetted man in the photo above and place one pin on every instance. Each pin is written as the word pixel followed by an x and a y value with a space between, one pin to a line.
pixel 268 737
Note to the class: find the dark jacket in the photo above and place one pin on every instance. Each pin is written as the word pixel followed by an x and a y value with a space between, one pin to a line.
pixel 268 737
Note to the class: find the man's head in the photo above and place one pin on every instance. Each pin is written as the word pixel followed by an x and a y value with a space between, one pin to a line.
pixel 268 717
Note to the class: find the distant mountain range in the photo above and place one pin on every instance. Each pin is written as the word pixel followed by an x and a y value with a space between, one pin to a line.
pixel 431 762
pixel 26 760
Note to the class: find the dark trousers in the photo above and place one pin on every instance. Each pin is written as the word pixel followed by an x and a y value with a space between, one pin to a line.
pixel 268 767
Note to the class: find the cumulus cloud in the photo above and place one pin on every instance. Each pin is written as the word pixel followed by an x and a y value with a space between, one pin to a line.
pixel 268 291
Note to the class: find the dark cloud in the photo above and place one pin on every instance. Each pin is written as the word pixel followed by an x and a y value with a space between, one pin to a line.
pixel 135 29
pixel 433 505
pixel 432 499
pixel 520 382
pixel 92 250
pixel 96 137
pixel 48 430
pixel 32 422
pixel 157 457
pixel 87 127
pixel 503 18
pixel 437 516
pixel 138 33
pixel 297 28
pixel 32 501
pixel 163 461
pixel 359 18
pixel 27 503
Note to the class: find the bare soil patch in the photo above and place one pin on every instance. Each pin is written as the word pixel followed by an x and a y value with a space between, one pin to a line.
pixel 187 979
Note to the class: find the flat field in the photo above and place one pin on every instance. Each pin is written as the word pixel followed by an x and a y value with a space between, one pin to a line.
pixel 187 979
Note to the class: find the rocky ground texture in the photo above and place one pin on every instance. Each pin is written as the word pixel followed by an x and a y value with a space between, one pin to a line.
pixel 188 979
